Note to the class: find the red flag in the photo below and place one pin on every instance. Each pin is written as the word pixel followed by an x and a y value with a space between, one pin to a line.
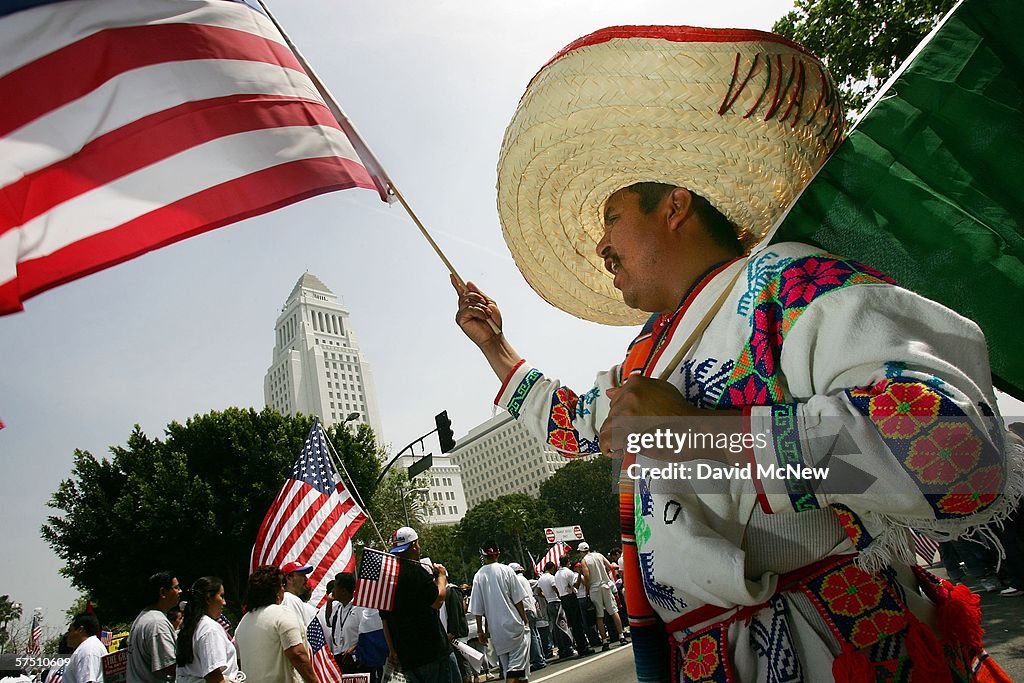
pixel 128 126
pixel 375 584
pixel 312 519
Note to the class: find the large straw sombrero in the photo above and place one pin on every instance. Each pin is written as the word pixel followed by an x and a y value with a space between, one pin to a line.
pixel 744 118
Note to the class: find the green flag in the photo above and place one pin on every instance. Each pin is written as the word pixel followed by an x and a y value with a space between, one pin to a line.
pixel 929 187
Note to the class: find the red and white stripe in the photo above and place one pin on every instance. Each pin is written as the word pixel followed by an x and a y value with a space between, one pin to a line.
pixel 302 522
pixel 925 546
pixel 554 554
pixel 379 592
pixel 128 126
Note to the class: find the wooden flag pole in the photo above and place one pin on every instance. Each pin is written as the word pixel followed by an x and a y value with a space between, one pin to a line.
pixel 385 185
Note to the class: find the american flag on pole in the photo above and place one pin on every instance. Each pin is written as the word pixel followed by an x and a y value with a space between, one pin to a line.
pixel 554 554
pixel 321 656
pixel 131 125
pixel 376 581
pixel 35 637
pixel 313 518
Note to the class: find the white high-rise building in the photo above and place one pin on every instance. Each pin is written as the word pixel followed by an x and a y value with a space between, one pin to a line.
pixel 500 456
pixel 444 500
pixel 317 367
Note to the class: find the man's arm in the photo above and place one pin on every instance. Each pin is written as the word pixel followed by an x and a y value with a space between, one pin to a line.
pixel 442 586
pixel 476 314
pixel 299 657
pixel 481 633
pixel 522 613
pixel 392 655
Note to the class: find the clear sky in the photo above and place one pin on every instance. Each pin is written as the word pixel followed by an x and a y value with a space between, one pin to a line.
pixel 189 328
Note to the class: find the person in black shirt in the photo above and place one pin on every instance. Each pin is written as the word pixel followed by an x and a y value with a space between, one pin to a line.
pixel 417 641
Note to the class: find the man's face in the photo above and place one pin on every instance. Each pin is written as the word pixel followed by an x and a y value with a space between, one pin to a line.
pixel 342 594
pixel 169 596
pixel 76 636
pixel 629 249
pixel 295 583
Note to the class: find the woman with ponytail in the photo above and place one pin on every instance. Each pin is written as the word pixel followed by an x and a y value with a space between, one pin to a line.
pixel 205 653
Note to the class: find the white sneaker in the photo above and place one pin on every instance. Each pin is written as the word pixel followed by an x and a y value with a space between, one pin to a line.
pixel 1011 592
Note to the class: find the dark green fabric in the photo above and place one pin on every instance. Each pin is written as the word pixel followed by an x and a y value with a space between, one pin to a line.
pixel 929 187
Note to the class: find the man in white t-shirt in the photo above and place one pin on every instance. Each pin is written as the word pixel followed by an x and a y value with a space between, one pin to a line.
pixel 565 584
pixel 597 571
pixel 151 639
pixel 497 596
pixel 86 663
pixel 295 576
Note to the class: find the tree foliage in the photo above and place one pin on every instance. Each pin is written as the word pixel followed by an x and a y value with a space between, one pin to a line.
pixel 191 502
pixel 392 506
pixel 581 493
pixel 10 614
pixel 861 42
pixel 515 522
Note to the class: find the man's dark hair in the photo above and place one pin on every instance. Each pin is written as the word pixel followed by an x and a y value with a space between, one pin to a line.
pixel 563 561
pixel 549 566
pixel 346 580
pixel 263 586
pixel 723 231
pixel 87 621
pixel 157 582
pixel 330 585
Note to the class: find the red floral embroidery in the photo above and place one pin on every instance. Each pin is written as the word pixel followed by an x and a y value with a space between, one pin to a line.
pixel 560 416
pixel 766 341
pixel 701 658
pixel 802 282
pixel 566 395
pixel 974 494
pixel 851 591
pixel 873 628
pixel 564 440
pixel 751 393
pixel 850 524
pixel 904 409
pixel 948 452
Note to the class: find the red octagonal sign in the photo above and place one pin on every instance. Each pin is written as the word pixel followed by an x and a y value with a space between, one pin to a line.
pixel 549 533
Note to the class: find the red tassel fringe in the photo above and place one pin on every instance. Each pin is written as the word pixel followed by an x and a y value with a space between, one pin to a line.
pixel 959 619
pixel 926 653
pixel 852 666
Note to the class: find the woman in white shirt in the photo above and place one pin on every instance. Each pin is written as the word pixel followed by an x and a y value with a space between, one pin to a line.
pixel 205 653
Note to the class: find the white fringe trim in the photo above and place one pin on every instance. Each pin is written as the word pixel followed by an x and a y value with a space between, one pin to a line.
pixel 891 542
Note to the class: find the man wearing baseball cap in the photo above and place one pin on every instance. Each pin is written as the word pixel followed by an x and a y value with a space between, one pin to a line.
pixel 497 603
pixel 295 576
pixel 640 172
pixel 417 642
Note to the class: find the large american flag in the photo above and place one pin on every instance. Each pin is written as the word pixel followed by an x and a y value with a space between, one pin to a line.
pixel 129 125
pixel 376 581
pixel 321 656
pixel 554 554
pixel 312 519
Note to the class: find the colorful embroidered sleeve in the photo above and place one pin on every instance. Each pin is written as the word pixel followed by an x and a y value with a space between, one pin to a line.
pixel 888 419
pixel 566 421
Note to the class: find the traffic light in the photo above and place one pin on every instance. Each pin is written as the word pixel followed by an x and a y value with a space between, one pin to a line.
pixel 444 432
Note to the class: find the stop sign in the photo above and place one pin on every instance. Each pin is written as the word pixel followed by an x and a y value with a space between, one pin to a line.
pixel 549 533
pixel 579 532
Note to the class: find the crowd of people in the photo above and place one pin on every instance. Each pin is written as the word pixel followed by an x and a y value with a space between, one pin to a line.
pixel 501 625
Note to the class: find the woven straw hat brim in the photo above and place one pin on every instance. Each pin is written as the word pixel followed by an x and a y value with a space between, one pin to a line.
pixel 603 116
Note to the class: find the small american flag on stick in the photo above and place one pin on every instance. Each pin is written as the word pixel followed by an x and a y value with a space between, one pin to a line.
pixel 375 584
